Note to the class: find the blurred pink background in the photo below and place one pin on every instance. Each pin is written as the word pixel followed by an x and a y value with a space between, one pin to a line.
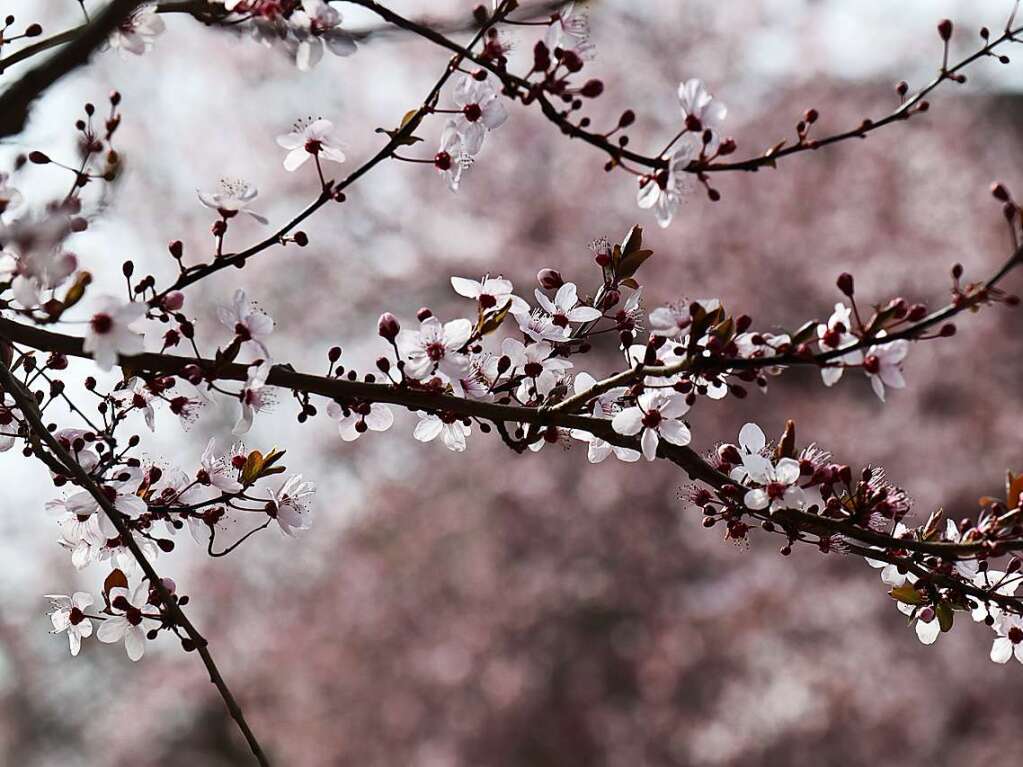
pixel 490 609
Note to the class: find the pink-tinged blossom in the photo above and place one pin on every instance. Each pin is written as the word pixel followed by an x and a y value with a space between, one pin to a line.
pixel 34 272
pixel 247 321
pixel 11 201
pixel 255 397
pixel 656 415
pixel 357 418
pixel 835 334
pixel 452 160
pixel 534 362
pixel 130 620
pixel 317 26
pixel 570 30
pixel 310 138
pixel 137 396
pixel 482 111
pixel 883 366
pixel 232 197
pixel 290 504
pixel 67 613
pixel 110 331
pixel 138 32
pixel 700 110
pixel 216 470
pixel 563 310
pixel 604 406
pixel 1009 642
pixel 665 190
pixel 448 426
pixel 435 348
pixel 490 293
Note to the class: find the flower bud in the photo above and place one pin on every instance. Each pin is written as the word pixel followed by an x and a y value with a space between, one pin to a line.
pixel 945 29
pixel 549 279
pixel 388 327
pixel 845 283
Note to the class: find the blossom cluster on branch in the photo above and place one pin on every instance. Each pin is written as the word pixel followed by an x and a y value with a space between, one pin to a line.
pixel 515 363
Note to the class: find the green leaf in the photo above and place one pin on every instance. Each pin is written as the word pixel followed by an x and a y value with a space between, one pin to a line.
pixel 945 616
pixel 907 594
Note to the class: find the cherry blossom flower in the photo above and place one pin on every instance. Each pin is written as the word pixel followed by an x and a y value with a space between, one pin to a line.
pixel 317 26
pixel 883 365
pixel 996 582
pixel 255 397
pixel 9 417
pixel 110 333
pixel 435 348
pixel 780 489
pixel 449 427
pixel 137 33
pixel 355 419
pixel 570 29
pixel 835 335
pixel 669 321
pixel 482 111
pixel 540 326
pixel 655 415
pixel 289 504
pixel 82 528
pixel 1009 641
pixel 565 309
pixel 231 198
pixel 137 396
pixel 490 293
pixel 541 371
pixel 665 190
pixel 248 322
pixel 68 614
pixel 890 574
pixel 10 201
pixel 700 110
pixel 217 471
pixel 76 442
pixel 928 627
pixel 35 271
pixel 310 138
pixel 129 620
pixel 604 406
pixel 452 160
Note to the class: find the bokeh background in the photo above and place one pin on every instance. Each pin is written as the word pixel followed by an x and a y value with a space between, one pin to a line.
pixel 500 610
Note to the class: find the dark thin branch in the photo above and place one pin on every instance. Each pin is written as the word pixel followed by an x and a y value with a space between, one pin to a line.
pixel 70 467
pixel 16 101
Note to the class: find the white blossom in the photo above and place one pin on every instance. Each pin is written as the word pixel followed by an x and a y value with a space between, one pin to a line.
pixel 435 348
pixel 68 614
pixel 603 406
pixel 137 33
pixel 354 420
pixel 129 621
pixel 482 111
pixel 562 311
pixel 665 190
pixel 290 504
pixel 700 110
pixel 449 427
pixel 490 293
pixel 883 365
pixel 310 138
pixel 1009 642
pixel 248 322
pixel 217 471
pixel 255 397
pixel 35 271
pixel 110 333
pixel 452 159
pixel 655 415
pixel 232 197
pixel 316 26
pixel 835 334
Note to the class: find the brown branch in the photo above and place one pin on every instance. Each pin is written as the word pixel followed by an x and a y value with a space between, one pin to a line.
pixel 70 467
pixel 17 99
pixel 418 399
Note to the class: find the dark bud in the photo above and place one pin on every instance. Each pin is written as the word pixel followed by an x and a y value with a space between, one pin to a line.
pixel 387 326
pixel 541 57
pixel 115 98
pixel 33 30
pixel 549 279
pixel 1000 193
pixel 573 61
pixel 845 284
pixel 38 158
pixel 945 29
pixel 166 545
pixel 176 249
pixel 334 354
pixel 424 314
pixel 917 312
pixel 811 116
pixel 383 364
pixel 592 89
pixel 728 146
pixel 127 268
pixel 947 331
pixel 628 118
pixel 957 271
pixel 301 239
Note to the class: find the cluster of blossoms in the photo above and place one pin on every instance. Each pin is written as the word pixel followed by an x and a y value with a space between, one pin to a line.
pixel 306 29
